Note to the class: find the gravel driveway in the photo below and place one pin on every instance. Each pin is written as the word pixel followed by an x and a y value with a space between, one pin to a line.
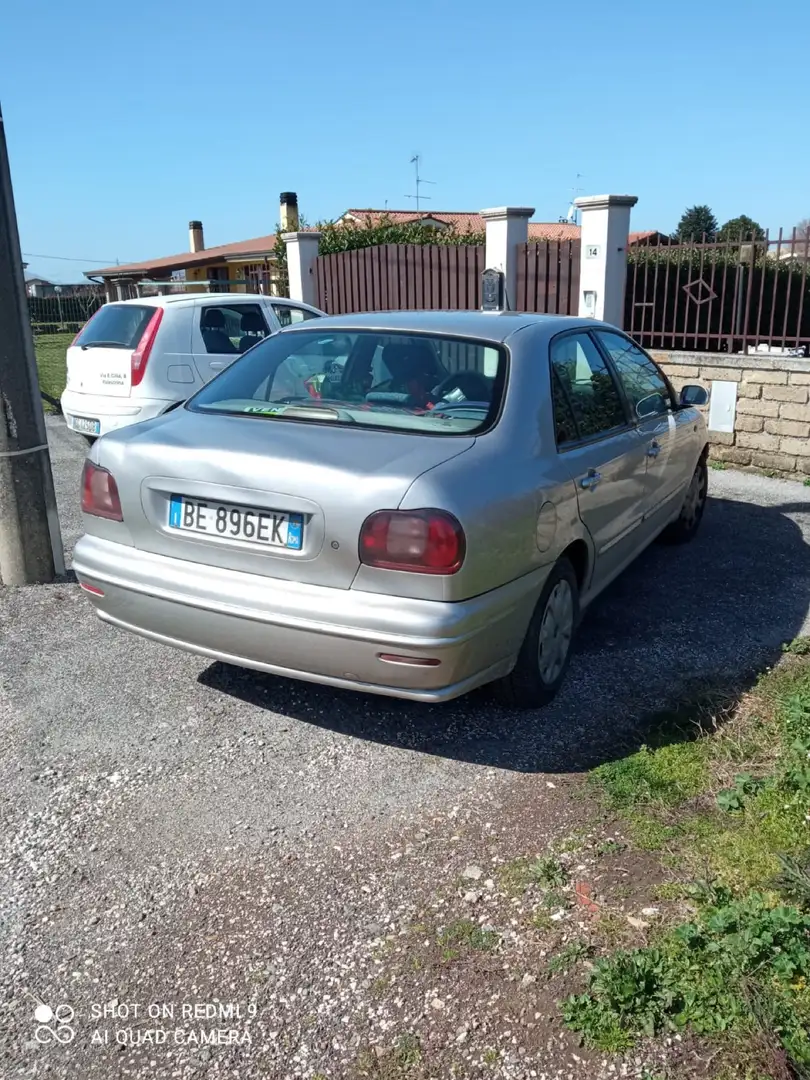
pixel 185 836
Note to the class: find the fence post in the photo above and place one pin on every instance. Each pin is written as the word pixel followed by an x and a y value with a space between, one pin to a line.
pixel 603 265
pixel 507 226
pixel 302 251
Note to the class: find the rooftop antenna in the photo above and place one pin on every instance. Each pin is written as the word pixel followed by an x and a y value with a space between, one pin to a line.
pixel 415 162
pixel 571 216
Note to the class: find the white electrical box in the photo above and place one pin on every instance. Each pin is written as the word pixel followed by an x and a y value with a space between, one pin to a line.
pixel 722 406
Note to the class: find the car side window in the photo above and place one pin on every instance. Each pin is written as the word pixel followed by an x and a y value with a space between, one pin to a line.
pixel 231 328
pixel 646 388
pixel 582 379
pixel 287 314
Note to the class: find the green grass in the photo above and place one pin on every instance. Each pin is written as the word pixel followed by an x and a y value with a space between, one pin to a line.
pixel 667 776
pixel 50 352
pixel 735 803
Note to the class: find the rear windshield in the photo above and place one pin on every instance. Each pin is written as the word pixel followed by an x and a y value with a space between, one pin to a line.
pixel 117 326
pixel 409 382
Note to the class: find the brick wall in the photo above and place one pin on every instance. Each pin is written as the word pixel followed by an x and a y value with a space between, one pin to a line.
pixel 772 422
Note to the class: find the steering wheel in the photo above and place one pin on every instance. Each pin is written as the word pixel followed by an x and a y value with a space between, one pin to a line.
pixel 474 387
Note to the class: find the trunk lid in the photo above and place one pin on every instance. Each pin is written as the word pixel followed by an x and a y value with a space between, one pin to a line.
pixel 329 477
pixel 100 359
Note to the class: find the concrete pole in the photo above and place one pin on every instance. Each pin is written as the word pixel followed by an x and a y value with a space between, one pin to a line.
pixel 507 226
pixel 302 251
pixel 30 540
pixel 603 266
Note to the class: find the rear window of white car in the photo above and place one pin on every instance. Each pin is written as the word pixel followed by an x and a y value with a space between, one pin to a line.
pixel 116 326
pixel 427 384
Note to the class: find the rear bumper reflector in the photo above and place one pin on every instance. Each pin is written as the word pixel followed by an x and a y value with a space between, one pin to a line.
pixel 413 661
pixel 91 589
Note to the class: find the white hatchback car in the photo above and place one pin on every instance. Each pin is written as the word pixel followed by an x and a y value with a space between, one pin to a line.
pixel 135 359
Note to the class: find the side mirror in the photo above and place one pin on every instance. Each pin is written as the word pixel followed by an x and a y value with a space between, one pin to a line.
pixel 693 395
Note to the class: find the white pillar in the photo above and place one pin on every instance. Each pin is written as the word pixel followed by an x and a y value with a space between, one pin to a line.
pixel 603 265
pixel 302 251
pixel 507 226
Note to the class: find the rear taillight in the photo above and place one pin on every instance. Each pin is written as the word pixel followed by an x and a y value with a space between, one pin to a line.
pixel 140 358
pixel 420 541
pixel 100 493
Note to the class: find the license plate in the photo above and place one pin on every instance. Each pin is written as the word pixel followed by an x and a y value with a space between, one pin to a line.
pixel 271 528
pixel 85 425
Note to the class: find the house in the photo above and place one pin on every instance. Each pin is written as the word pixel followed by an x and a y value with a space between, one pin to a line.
pixel 37 286
pixel 465 221
pixel 250 265
pixel 243 266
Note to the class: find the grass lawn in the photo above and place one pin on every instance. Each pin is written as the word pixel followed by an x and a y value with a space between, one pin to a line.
pixel 50 350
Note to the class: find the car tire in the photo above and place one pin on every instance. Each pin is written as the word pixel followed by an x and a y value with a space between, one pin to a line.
pixel 532 682
pixel 684 527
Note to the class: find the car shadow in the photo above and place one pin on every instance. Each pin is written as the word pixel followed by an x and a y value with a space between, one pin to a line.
pixel 679 621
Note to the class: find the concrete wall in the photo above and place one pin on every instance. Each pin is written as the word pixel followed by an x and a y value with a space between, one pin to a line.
pixel 772 407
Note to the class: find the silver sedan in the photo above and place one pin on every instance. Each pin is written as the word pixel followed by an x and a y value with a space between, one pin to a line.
pixel 407 503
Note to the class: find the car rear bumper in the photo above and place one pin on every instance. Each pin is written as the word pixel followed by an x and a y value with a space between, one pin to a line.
pixel 309 632
pixel 111 412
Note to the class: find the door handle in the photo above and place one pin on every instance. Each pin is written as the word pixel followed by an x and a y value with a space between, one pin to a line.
pixel 217 365
pixel 591 480
pixel 654 449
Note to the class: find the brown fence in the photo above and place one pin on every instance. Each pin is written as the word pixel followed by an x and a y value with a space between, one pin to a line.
pixel 548 277
pixel 721 296
pixel 396 277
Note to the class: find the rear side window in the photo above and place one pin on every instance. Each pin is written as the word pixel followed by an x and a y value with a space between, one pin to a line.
pixel 231 328
pixel 586 384
pixel 116 326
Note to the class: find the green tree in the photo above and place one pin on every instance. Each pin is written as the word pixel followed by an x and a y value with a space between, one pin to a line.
pixel 697 222
pixel 742 228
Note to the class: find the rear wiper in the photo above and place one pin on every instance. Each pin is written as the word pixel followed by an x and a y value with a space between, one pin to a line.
pixel 104 345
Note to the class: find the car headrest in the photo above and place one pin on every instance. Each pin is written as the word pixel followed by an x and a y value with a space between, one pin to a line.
pixel 409 361
pixel 213 319
pixel 251 323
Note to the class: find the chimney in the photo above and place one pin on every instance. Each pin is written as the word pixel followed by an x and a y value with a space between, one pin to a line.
pixel 288 211
pixel 195 236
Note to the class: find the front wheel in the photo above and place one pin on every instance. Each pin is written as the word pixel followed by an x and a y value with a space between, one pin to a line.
pixel 546 650
pixel 685 526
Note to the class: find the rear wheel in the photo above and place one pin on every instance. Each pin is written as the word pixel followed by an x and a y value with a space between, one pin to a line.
pixel 686 524
pixel 546 650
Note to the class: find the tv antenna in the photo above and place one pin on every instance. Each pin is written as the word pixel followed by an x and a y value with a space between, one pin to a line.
pixel 418 196
pixel 571 216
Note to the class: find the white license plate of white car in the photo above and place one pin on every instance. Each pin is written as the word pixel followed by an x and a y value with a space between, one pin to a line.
pixel 85 425
pixel 271 528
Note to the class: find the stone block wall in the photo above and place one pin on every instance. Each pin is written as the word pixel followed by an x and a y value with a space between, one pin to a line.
pixel 772 419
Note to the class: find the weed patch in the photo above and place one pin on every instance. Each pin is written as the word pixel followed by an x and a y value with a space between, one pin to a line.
pixel 702 975
pixel 465 934
pixel 735 802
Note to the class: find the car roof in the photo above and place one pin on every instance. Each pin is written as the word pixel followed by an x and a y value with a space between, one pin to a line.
pixel 204 298
pixel 495 326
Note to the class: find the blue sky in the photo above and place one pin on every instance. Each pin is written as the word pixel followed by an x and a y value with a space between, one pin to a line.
pixel 126 121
